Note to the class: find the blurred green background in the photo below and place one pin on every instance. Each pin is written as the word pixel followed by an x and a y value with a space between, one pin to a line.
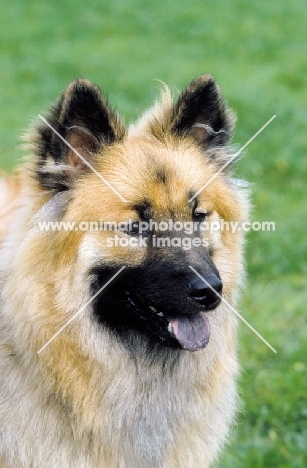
pixel 257 51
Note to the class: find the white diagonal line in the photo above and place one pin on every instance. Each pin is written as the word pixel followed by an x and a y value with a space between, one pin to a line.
pixel 232 158
pixel 79 311
pixel 82 158
pixel 234 310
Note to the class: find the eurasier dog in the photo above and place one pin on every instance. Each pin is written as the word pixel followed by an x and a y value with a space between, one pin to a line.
pixel 117 349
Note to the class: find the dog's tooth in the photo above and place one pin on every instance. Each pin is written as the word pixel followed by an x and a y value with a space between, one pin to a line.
pixel 170 328
pixel 160 314
pixel 153 309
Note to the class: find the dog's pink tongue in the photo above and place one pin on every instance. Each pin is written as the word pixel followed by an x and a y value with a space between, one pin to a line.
pixel 192 333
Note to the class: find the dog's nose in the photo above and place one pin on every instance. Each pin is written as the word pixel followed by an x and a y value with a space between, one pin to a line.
pixel 206 292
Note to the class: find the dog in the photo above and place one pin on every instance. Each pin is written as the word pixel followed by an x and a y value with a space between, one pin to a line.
pixel 117 345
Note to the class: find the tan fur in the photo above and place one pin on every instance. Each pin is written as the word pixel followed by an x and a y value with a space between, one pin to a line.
pixel 9 188
pixel 84 402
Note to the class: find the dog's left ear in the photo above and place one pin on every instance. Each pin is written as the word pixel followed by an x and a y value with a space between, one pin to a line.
pixel 79 125
pixel 200 112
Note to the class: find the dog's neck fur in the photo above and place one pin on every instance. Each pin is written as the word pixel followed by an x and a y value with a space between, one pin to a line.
pixel 146 413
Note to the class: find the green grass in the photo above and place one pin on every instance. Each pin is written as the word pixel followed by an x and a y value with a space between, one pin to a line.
pixel 257 52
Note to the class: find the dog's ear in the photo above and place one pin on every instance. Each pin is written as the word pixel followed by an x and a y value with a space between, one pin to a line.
pixel 200 112
pixel 83 118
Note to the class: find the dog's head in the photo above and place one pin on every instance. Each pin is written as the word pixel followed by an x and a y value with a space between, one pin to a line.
pixel 145 198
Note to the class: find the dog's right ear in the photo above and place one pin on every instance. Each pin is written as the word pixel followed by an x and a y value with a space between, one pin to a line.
pixel 201 113
pixel 79 125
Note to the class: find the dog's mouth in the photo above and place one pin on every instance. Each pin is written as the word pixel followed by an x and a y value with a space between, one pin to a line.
pixel 190 332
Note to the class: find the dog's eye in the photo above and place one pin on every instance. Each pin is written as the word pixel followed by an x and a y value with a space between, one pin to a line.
pixel 138 228
pixel 135 228
pixel 132 228
pixel 199 216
